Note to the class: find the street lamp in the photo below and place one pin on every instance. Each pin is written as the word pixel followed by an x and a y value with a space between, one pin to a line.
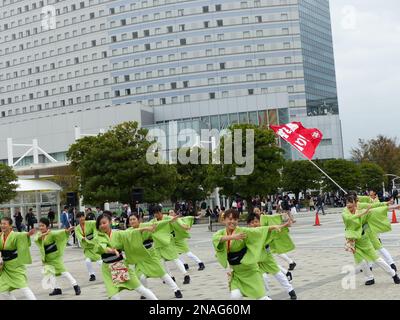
pixel 395 178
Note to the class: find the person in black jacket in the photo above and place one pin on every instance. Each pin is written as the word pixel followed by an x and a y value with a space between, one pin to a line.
pixel 51 216
pixel 18 220
pixel 30 219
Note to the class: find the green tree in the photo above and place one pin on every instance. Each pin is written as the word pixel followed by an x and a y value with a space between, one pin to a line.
pixel 194 182
pixel 371 176
pixel 268 160
pixel 111 164
pixel 8 183
pixel 383 151
pixel 298 176
pixel 346 173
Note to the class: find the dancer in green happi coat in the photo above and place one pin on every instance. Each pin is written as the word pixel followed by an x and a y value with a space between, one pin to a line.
pixel 267 263
pixel 117 275
pixel 362 203
pixel 15 254
pixel 281 242
pixel 181 234
pixel 357 222
pixel 140 252
pixel 52 245
pixel 85 232
pixel 164 242
pixel 240 250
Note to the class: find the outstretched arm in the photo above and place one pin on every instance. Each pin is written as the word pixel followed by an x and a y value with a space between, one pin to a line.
pixel 238 236
pixel 359 215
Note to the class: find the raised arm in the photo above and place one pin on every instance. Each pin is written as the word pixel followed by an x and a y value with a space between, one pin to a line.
pixel 236 236
pixel 359 215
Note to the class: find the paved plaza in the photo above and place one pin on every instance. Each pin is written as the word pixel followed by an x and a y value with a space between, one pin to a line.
pixel 320 258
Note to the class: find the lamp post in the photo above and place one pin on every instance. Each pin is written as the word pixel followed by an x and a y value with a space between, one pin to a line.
pixel 393 184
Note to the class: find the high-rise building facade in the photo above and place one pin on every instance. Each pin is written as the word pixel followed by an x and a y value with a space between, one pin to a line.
pixel 96 63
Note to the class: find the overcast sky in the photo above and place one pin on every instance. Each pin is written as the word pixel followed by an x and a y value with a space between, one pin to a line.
pixel 366 39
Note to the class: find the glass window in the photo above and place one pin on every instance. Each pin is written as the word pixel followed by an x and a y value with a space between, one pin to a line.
pixel 224 121
pixel 215 122
pixel 233 118
pixel 253 117
pixel 243 117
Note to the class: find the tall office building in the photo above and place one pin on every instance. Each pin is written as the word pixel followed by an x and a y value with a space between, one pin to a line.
pixel 96 63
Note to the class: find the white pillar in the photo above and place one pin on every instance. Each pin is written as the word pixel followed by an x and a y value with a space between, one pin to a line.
pixel 81 206
pixel 35 151
pixel 58 209
pixel 107 206
pixel 10 152
pixel 12 210
pixel 217 199
pixel 38 201
pixel 77 133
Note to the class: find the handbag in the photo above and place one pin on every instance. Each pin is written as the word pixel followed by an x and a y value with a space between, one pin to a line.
pixel 119 272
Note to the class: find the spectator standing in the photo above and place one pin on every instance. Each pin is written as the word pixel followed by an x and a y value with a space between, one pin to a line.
pixel 269 206
pixel 30 219
pixel 18 220
pixel 64 220
pixel 320 205
pixel 240 206
pixel 311 203
pixel 51 216
pixel 395 195
pixel 90 216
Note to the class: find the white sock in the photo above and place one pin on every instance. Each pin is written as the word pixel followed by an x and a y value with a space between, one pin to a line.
pixel 265 277
pixel 170 283
pixel 146 293
pixel 193 257
pixel 70 278
pixel 52 281
pixel 380 262
pixel 180 266
pixel 364 266
pixel 283 280
pixel 181 258
pixel 167 268
pixel 283 270
pixel 115 297
pixel 286 258
pixel 28 293
pixel 89 267
pixel 143 280
pixel 386 256
pixel 236 295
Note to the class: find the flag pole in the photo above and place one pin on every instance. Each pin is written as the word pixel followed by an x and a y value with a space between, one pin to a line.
pixel 345 192
pixel 315 165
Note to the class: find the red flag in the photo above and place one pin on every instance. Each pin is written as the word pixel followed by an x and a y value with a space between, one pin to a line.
pixel 303 139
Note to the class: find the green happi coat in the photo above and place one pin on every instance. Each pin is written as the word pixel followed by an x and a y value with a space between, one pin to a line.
pixel 163 239
pixel 54 261
pixel 357 228
pixel 89 246
pixel 281 241
pixel 267 262
pixel 246 276
pixel 146 261
pixel 374 237
pixel 13 274
pixel 114 241
pixel 181 235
